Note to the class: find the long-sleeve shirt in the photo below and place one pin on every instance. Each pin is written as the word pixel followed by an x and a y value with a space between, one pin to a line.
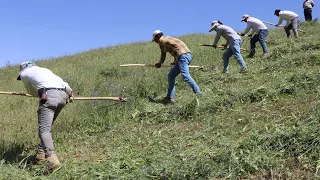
pixel 286 15
pixel 172 45
pixel 227 32
pixel 35 78
pixel 308 4
pixel 255 24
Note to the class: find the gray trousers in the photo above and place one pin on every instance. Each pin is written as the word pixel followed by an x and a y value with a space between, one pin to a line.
pixel 293 25
pixel 48 111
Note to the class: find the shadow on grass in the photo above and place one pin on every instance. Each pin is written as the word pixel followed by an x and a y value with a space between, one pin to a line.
pixel 14 154
pixel 159 101
pixel 11 153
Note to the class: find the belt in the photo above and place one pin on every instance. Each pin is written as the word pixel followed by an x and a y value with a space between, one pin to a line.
pixel 46 89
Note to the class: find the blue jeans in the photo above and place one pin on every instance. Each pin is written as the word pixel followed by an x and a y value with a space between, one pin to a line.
pixel 182 67
pixel 234 49
pixel 261 37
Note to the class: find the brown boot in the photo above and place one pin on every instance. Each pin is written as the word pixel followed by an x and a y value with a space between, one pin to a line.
pixel 40 156
pixel 54 162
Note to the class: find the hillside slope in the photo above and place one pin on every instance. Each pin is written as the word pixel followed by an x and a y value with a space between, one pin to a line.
pixel 261 124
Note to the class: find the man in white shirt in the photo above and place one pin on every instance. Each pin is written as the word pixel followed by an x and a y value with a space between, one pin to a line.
pixel 53 95
pixel 233 41
pixel 307 6
pixel 292 21
pixel 260 32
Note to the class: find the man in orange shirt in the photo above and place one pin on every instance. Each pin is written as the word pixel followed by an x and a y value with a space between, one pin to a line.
pixel 182 58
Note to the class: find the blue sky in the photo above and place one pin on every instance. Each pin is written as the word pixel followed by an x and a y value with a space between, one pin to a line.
pixel 35 30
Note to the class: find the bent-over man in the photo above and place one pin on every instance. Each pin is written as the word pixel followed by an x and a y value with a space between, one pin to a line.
pixel 292 20
pixel 53 95
pixel 182 58
pixel 233 41
pixel 260 31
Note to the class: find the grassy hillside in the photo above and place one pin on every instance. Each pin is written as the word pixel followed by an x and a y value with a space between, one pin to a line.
pixel 261 124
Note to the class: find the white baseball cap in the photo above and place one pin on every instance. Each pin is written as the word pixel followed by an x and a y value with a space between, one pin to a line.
pixel 244 16
pixel 155 33
pixel 23 66
pixel 214 25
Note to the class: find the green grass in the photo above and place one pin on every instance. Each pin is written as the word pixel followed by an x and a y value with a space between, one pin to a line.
pixel 261 124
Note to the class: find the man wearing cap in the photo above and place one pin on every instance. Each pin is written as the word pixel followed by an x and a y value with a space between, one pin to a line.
pixel 182 58
pixel 233 41
pixel 260 32
pixel 292 21
pixel 53 95
pixel 307 6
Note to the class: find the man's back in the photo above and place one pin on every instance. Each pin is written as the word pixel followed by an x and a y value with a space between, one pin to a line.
pixel 36 77
pixel 255 24
pixel 173 45
pixel 227 32
pixel 287 15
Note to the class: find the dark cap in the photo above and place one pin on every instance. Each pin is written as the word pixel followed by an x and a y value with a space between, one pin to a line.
pixel 276 11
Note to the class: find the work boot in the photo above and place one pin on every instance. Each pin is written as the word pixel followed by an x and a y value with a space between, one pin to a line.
pixel 167 100
pixel 251 55
pixel 252 52
pixel 54 162
pixel 40 156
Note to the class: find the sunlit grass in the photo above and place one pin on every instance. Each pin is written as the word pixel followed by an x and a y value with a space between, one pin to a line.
pixel 261 124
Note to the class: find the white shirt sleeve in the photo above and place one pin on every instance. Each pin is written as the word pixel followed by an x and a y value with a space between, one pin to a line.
pixel 249 26
pixel 217 38
pixel 288 22
pixel 280 20
pixel 30 88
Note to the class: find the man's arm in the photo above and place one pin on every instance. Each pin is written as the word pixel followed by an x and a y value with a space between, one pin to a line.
pixel 162 58
pixel 247 29
pixel 68 88
pixel 218 35
pixel 288 22
pixel 65 85
pixel 163 55
pixel 280 20
pixel 30 88
pixel 29 85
